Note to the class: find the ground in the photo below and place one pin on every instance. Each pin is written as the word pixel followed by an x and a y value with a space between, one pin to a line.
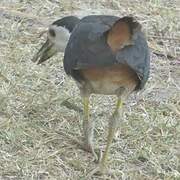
pixel 38 124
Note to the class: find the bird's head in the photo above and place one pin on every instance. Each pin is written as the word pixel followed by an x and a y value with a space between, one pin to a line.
pixel 57 38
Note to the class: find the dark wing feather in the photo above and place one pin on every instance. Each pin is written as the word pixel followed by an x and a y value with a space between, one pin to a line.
pixel 137 57
pixel 87 47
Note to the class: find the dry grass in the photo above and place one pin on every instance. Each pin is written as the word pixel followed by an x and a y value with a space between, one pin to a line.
pixel 36 129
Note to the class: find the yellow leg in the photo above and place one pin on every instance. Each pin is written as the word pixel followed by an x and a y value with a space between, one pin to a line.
pixel 86 108
pixel 112 129
pixel 118 106
pixel 88 128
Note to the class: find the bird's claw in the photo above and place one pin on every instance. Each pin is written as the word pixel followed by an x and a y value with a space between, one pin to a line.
pixel 99 170
pixel 96 152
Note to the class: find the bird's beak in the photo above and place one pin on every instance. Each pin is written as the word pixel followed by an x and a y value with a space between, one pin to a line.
pixel 45 52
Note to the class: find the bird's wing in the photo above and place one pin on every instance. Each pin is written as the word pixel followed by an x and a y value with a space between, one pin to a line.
pixel 87 47
pixel 137 56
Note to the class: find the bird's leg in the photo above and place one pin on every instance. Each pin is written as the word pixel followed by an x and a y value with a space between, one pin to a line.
pixel 88 128
pixel 113 125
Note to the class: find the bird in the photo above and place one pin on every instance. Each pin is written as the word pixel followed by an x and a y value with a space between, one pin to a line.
pixel 106 55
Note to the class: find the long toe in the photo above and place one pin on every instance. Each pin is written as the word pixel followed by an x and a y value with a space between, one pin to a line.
pixel 89 148
pixel 98 171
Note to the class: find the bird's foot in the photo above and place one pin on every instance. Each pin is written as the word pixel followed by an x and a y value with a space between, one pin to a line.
pixel 96 152
pixel 98 171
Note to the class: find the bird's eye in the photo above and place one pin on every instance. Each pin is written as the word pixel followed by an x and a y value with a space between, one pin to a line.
pixel 52 32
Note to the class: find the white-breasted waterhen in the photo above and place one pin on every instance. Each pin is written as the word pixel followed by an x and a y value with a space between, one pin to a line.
pixel 104 55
